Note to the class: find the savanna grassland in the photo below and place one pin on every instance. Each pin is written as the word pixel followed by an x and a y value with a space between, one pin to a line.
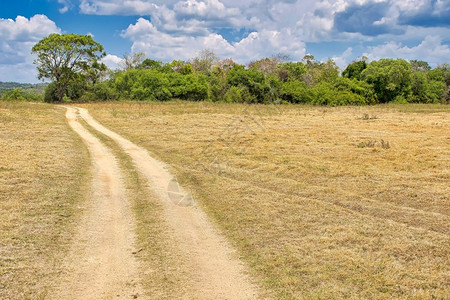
pixel 44 176
pixel 321 202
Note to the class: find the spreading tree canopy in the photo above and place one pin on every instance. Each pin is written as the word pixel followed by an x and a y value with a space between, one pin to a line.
pixel 65 58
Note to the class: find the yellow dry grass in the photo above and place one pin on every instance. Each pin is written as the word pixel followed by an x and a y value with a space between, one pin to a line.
pixel 323 203
pixel 43 176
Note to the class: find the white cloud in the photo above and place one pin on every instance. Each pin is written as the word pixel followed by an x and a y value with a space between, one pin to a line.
pixel 430 49
pixel 112 61
pixel 17 37
pixel 148 39
pixel 115 7
pixel 266 43
pixel 66 6
pixel 163 46
pixel 344 59
pixel 205 9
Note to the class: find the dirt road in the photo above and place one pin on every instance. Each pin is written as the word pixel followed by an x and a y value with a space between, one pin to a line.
pixel 101 264
pixel 102 261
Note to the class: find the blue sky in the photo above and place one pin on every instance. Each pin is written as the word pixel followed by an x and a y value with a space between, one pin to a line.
pixel 343 30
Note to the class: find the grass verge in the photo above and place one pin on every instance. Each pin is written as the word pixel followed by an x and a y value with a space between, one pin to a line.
pixel 44 179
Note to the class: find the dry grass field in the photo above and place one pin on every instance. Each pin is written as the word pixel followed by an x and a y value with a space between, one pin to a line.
pixel 323 203
pixel 43 179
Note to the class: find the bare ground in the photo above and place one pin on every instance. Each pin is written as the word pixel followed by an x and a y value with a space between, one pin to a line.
pixel 102 259
pixel 101 264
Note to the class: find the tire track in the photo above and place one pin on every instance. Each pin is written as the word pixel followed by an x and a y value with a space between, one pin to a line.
pixel 214 268
pixel 101 264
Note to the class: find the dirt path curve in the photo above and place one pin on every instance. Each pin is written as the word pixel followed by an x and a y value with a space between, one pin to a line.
pixel 215 270
pixel 101 264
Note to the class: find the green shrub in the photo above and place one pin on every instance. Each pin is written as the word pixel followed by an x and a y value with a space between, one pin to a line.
pixel 295 92
pixel 20 94
pixel 50 94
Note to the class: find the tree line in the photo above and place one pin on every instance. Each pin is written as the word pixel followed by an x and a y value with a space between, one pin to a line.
pixel 73 63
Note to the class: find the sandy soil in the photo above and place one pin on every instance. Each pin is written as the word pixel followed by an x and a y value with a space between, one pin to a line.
pixel 101 264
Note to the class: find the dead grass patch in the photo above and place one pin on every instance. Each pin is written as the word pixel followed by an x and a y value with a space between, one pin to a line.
pixel 43 176
pixel 313 214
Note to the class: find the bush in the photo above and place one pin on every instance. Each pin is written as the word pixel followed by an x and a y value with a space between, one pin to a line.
pixel 390 78
pixel 20 94
pixel 188 87
pixel 239 94
pixel 76 89
pixel 253 80
pixel 327 94
pixel 295 92
pixel 50 94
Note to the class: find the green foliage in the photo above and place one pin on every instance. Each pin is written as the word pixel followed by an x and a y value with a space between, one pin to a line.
pixel 20 94
pixel 151 84
pixel 291 71
pixel 390 78
pixel 327 94
pixel 51 93
pixel 73 62
pixel 296 92
pixel 253 80
pixel 102 91
pixel 62 58
pixel 419 66
pixel 354 70
pixel 424 90
pixel 239 94
pixel 218 86
pixel 188 87
pixel 76 88
pixel 319 72
pixel 357 87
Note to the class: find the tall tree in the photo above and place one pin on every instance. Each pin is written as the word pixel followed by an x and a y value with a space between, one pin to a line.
pixel 63 58
pixel 204 61
pixel 355 69
pixel 132 61
pixel 390 78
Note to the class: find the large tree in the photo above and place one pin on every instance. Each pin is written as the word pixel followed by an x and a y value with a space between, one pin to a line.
pixel 63 58
pixel 390 78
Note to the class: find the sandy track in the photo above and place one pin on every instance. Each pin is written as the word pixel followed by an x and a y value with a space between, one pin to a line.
pixel 101 264
pixel 215 270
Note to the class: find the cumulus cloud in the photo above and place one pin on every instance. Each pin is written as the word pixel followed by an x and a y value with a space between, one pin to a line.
pixel 17 37
pixel 430 49
pixel 156 44
pixel 426 13
pixel 366 19
pixel 112 61
pixel 209 9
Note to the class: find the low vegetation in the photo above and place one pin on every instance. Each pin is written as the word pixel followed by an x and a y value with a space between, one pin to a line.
pixel 43 180
pixel 271 80
pixel 313 214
